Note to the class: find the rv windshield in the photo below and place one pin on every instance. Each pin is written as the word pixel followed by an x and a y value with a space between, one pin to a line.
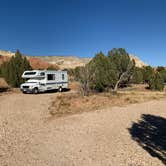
pixel 36 80
pixel 29 73
pixel 31 82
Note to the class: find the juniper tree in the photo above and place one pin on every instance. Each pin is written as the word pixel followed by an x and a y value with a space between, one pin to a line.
pixel 13 69
pixel 100 69
pixel 123 66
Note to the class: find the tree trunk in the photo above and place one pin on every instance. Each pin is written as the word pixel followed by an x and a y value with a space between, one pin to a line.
pixel 116 86
pixel 117 83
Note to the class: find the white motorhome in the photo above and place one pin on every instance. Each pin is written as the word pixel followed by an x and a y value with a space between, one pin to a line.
pixel 44 80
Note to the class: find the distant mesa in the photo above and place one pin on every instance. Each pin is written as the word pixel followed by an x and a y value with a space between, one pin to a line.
pixel 58 62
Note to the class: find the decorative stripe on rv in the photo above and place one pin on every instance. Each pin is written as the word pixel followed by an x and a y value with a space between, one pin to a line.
pixel 50 83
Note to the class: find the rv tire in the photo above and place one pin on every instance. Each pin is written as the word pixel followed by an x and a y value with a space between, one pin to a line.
pixel 60 89
pixel 35 91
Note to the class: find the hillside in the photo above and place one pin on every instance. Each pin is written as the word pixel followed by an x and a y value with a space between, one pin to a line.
pixel 35 62
pixel 73 61
pixel 65 61
pixel 38 63
pixel 61 62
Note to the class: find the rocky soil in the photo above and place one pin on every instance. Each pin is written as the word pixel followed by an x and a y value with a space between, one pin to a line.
pixel 121 136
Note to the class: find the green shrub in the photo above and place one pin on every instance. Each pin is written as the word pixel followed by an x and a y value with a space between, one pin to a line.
pixel 148 73
pixel 0 71
pixel 162 71
pixel 156 82
pixel 137 77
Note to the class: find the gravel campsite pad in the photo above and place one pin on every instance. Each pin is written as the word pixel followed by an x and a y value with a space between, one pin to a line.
pixel 132 135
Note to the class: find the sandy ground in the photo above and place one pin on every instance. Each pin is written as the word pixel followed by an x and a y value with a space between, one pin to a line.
pixel 28 137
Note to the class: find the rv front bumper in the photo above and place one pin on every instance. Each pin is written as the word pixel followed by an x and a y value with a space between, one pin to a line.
pixel 26 90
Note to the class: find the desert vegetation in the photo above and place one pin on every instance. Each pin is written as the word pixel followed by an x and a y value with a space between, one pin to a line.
pixel 119 80
pixel 110 88
pixel 116 70
pixel 103 72
pixel 73 103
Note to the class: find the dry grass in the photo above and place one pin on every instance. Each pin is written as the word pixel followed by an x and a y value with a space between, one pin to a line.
pixel 75 86
pixel 69 103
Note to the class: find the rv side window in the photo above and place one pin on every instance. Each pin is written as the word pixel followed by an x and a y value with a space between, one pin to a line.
pixel 63 76
pixel 50 76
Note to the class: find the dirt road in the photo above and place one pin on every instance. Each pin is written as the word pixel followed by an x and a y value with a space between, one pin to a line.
pixel 121 136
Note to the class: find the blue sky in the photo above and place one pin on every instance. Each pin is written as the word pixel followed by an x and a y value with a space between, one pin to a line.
pixel 85 27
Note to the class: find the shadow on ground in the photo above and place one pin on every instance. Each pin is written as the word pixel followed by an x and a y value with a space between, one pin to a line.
pixel 150 133
pixel 54 91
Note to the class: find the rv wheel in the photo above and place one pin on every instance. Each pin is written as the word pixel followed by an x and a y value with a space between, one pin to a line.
pixel 35 91
pixel 60 89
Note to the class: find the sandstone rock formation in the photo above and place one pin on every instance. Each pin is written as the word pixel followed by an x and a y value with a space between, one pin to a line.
pixel 38 63
pixel 58 62
pixel 138 62
pixel 65 61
